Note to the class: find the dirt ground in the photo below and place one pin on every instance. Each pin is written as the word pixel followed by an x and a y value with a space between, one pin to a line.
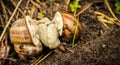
pixel 99 45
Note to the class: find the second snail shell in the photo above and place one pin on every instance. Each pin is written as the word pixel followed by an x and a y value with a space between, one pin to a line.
pixel 22 39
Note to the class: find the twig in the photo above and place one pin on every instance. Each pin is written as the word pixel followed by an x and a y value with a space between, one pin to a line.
pixel 35 4
pixel 75 13
pixel 32 11
pixel 84 8
pixel 3 25
pixel 10 20
pixel 18 8
pixel 38 1
pixel 43 58
pixel 37 60
pixel 9 12
pixel 4 10
pixel 67 4
pixel 27 4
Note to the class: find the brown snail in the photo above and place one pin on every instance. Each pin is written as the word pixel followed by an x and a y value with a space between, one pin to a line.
pixel 23 36
pixel 68 23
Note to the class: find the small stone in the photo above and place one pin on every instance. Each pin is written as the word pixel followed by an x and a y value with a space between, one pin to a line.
pixel 104 45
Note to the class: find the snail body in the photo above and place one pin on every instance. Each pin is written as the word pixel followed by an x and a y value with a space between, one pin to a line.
pixel 48 33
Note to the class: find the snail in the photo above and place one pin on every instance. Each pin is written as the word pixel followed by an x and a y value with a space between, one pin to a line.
pixel 23 34
pixel 63 24
pixel 28 34
pixel 68 23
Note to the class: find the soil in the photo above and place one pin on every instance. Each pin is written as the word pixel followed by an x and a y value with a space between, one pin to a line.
pixel 99 45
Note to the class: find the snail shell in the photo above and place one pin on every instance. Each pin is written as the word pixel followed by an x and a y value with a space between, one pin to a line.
pixel 66 25
pixel 70 24
pixel 23 40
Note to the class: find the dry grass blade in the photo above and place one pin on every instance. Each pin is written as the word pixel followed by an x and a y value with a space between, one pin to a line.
pixel 4 10
pixel 109 8
pixel 10 20
pixel 38 61
pixel 27 4
pixel 84 8
pixel 67 4
pixel 106 19
pixel 32 11
pixel 76 29
pixel 3 25
pixel 18 8
pixel 35 4
pixel 8 10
